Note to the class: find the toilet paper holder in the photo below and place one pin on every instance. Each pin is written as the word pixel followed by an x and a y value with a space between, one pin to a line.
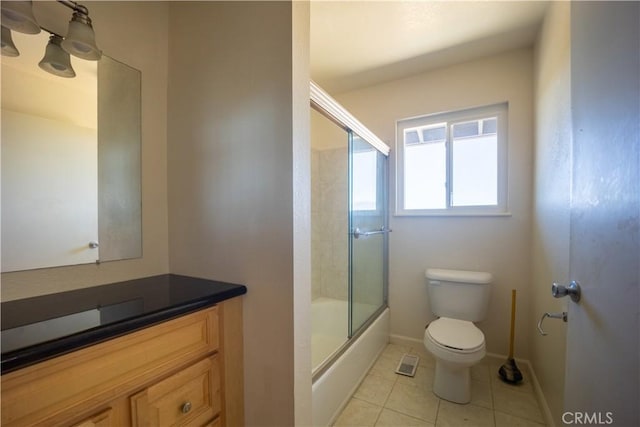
pixel 562 316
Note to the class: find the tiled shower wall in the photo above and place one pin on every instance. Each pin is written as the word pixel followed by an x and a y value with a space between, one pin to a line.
pixel 329 223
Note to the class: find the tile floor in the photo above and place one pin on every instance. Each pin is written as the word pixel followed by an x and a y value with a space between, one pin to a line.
pixel 387 399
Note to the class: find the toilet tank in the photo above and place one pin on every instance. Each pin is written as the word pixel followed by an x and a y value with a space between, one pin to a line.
pixel 458 294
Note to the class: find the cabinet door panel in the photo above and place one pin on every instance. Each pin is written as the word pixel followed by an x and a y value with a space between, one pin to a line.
pixel 190 397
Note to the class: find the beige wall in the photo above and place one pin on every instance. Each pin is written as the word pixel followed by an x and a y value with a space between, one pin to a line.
pixel 235 102
pixel 234 206
pixel 551 209
pixel 144 47
pixel 499 245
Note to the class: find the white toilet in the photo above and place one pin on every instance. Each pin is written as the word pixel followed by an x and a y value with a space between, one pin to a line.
pixel 458 298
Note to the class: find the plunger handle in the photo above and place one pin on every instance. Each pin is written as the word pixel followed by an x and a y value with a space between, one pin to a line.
pixel 513 322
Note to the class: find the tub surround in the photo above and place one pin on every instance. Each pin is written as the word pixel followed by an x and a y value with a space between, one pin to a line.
pixel 332 390
pixel 40 328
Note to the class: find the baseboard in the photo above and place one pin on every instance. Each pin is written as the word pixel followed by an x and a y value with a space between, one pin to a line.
pixel 546 412
pixel 405 341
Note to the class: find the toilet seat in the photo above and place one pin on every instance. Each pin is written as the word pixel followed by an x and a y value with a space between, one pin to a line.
pixel 455 335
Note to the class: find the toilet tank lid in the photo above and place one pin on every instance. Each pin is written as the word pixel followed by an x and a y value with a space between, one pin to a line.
pixel 460 276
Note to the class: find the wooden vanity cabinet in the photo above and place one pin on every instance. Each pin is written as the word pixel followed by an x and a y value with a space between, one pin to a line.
pixel 186 372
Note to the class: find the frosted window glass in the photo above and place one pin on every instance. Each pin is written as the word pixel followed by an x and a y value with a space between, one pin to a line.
pixel 475 171
pixel 457 166
pixel 425 176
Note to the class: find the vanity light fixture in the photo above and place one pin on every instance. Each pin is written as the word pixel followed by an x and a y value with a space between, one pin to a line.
pixel 80 39
pixel 8 48
pixel 18 16
pixel 56 60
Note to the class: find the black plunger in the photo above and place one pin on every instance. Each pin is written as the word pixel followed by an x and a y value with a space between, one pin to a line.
pixel 509 372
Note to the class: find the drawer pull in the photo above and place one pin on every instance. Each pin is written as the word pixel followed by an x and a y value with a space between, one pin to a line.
pixel 186 407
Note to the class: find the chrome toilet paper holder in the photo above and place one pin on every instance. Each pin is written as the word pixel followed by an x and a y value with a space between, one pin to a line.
pixel 562 316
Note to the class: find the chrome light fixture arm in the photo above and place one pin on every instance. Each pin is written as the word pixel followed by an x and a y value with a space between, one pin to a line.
pixel 77 7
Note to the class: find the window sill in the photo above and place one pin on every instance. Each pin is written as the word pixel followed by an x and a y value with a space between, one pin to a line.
pixel 452 214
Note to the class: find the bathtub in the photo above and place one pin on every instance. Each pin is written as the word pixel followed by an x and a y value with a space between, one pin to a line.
pixel 340 364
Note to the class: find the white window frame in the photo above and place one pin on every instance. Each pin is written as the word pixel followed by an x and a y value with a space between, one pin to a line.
pixel 501 208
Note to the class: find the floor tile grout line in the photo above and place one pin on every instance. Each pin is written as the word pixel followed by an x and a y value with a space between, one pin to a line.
pixel 493 415
pixel 384 404
pixel 378 417
pixel 435 421
pixel 382 407
pixel 493 401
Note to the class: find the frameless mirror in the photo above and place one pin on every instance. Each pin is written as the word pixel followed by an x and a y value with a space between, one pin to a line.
pixel 70 159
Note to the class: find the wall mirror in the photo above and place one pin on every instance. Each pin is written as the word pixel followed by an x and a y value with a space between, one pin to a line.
pixel 70 161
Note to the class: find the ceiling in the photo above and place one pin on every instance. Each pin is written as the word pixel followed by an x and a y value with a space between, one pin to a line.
pixel 356 43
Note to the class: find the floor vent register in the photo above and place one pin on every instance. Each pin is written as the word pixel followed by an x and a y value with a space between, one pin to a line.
pixel 408 365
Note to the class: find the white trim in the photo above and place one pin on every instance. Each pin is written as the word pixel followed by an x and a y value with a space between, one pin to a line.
pixel 546 412
pixel 405 341
pixel 340 115
pixel 500 110
pixel 450 214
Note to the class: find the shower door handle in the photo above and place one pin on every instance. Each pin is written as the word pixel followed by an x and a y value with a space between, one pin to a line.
pixel 357 233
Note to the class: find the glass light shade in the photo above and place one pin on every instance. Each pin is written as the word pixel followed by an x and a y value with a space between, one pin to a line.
pixel 8 48
pixel 18 16
pixel 56 60
pixel 80 39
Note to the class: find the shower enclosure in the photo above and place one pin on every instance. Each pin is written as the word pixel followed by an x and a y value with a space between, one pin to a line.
pixel 349 229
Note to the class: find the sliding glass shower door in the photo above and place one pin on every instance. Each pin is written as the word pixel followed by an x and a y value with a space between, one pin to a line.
pixel 368 237
pixel 348 230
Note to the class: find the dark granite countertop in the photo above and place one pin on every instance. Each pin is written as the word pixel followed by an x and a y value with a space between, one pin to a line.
pixel 39 328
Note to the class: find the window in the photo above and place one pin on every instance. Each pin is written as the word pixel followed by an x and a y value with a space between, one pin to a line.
pixel 453 163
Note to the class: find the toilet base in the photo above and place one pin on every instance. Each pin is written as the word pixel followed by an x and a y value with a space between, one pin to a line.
pixel 452 383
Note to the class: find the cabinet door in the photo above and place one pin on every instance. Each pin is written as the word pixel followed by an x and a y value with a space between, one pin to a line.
pixel 189 397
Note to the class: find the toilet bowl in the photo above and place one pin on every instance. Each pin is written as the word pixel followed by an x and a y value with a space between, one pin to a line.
pixel 456 345
pixel 458 298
